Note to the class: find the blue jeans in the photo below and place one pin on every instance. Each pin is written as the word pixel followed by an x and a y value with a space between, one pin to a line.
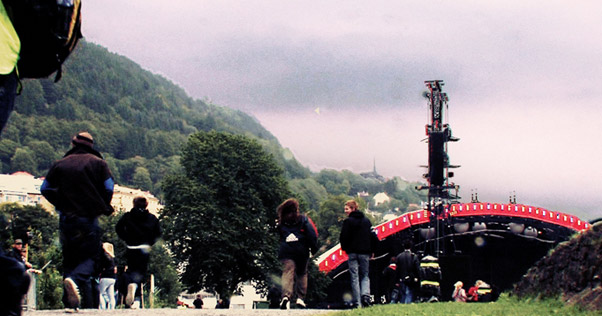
pixel 395 295
pixel 406 294
pixel 82 248
pixel 106 289
pixel 360 280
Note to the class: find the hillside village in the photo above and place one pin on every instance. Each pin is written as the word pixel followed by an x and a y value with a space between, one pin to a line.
pixel 24 188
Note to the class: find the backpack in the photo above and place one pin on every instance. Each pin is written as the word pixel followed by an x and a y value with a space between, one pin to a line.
pixel 48 30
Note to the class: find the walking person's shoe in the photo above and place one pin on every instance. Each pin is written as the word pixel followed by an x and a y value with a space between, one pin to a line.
pixel 366 301
pixel 285 303
pixel 129 298
pixel 300 303
pixel 71 294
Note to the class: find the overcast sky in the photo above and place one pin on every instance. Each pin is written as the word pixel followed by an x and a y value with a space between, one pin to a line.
pixel 523 78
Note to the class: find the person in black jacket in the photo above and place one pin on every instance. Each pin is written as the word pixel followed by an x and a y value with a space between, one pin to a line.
pixel 408 273
pixel 108 276
pixel 80 186
pixel 198 302
pixel 298 237
pixel 358 240
pixel 14 280
pixel 139 229
pixel 17 251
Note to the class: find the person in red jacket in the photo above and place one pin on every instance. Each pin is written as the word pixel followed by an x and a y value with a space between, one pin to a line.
pixel 473 295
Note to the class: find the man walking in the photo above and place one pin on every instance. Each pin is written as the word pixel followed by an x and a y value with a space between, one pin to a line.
pixel 140 230
pixel 80 186
pixel 408 272
pixel 358 241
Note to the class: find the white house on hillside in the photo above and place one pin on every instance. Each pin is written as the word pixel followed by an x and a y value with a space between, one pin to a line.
pixel 23 188
pixel 380 198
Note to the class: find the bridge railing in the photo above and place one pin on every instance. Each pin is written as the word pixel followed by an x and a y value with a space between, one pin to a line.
pixel 335 256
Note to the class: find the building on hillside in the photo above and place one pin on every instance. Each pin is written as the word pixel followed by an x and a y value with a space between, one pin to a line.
pixel 23 188
pixel 390 215
pixel 123 199
pixel 380 198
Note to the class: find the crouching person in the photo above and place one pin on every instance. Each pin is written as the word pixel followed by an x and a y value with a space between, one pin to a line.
pixel 139 229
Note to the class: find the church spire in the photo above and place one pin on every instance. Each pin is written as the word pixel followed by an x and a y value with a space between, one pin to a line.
pixel 374 166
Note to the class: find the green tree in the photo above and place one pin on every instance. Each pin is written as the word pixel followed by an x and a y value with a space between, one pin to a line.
pixel 330 218
pixel 333 181
pixel 7 151
pixel 163 267
pixel 310 191
pixel 220 212
pixel 44 154
pixel 23 160
pixel 40 229
pixel 142 179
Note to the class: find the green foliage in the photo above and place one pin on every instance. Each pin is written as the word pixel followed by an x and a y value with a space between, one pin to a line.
pixel 220 212
pixel 139 119
pixel 40 229
pixel 309 191
pixel 330 219
pixel 167 283
pixel 317 286
pixel 346 182
pixel 504 306
pixel 333 181
pixel 24 160
pixel 49 289
pixel 31 221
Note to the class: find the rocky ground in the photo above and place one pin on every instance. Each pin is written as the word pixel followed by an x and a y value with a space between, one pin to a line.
pixel 571 272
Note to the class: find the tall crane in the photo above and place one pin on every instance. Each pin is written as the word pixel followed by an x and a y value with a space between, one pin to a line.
pixel 438 173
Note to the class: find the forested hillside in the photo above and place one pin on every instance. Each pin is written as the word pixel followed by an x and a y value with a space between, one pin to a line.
pixel 139 120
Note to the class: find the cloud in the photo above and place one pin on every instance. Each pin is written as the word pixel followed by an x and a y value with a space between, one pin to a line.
pixel 521 75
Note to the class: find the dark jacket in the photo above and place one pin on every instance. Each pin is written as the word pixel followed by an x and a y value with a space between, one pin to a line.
pixel 80 184
pixel 16 254
pixel 198 303
pixel 357 235
pixel 108 267
pixel 297 239
pixel 138 227
pixel 408 267
pixel 390 276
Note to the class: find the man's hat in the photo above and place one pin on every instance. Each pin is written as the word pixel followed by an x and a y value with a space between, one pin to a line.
pixel 108 248
pixel 18 242
pixel 84 139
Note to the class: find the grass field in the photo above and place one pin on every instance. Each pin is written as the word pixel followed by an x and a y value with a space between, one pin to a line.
pixel 505 306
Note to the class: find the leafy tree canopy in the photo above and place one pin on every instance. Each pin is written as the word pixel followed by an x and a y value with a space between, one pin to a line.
pixel 220 212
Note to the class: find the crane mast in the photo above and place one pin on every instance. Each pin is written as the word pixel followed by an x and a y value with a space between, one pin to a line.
pixel 438 174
